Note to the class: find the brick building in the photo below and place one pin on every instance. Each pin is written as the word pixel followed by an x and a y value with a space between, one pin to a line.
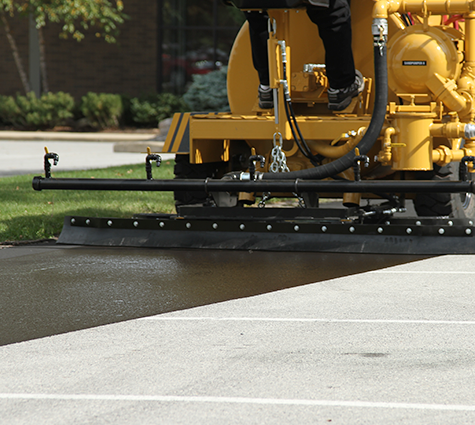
pixel 159 48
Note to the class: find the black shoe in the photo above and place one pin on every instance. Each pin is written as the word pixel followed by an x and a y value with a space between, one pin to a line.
pixel 266 98
pixel 339 99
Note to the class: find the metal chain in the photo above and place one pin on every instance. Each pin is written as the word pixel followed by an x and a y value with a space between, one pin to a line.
pixel 278 164
pixel 279 160
pixel 265 197
pixel 300 199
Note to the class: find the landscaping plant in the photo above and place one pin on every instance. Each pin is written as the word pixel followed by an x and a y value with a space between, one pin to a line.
pixel 30 112
pixel 208 92
pixel 102 110
pixel 148 111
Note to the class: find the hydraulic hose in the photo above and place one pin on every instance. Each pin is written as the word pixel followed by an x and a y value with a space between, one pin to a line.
pixel 289 112
pixel 301 143
pixel 380 31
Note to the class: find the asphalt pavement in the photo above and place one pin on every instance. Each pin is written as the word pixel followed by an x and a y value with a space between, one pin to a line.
pixel 389 345
pixel 356 340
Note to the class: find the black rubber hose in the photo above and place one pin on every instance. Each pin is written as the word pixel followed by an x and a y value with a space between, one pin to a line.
pixel 294 127
pixel 293 121
pixel 372 133
pixel 302 144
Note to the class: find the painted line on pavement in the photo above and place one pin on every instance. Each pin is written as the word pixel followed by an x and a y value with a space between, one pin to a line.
pixel 422 271
pixel 291 319
pixel 237 400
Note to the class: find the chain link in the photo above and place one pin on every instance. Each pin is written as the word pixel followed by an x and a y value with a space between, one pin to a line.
pixel 278 164
pixel 279 160
pixel 300 199
pixel 265 197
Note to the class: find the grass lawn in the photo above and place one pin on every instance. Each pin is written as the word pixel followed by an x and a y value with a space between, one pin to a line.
pixel 26 214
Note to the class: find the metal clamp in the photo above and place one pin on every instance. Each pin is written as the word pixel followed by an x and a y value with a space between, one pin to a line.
pixel 379 29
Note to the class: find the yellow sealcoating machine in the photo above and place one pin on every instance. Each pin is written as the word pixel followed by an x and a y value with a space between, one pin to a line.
pixel 428 118
pixel 397 164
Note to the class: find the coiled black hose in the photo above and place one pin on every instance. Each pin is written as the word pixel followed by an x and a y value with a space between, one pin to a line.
pixel 372 133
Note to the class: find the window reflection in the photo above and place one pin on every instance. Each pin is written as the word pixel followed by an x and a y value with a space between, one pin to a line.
pixel 195 38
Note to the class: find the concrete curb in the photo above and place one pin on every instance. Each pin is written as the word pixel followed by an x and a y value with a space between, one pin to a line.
pixel 138 147
pixel 79 137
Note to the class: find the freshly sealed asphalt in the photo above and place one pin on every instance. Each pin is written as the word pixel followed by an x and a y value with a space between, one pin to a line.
pixel 138 336
pixel 53 289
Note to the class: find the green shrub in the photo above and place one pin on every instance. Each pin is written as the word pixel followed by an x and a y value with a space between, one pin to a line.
pixel 102 109
pixel 150 110
pixel 208 92
pixel 9 111
pixel 28 112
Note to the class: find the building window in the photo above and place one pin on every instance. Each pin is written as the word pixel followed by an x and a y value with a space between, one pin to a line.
pixel 195 37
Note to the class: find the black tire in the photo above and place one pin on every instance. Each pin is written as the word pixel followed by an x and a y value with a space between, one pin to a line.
pixel 455 205
pixel 184 170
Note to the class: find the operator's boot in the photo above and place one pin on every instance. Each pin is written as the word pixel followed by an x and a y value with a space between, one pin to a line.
pixel 266 97
pixel 339 99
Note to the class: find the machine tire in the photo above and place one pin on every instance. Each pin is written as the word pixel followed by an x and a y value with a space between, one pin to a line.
pixel 455 205
pixel 185 170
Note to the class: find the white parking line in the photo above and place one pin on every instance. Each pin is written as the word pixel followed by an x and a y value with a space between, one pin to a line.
pixel 422 271
pixel 294 319
pixel 236 400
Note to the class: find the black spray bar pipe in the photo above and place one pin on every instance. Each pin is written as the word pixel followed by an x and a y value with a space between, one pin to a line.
pixel 293 186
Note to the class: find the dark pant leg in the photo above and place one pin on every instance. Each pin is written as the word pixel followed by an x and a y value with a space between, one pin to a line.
pixel 334 27
pixel 259 34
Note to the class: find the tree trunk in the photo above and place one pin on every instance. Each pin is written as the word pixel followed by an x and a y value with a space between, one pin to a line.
pixel 44 75
pixel 16 54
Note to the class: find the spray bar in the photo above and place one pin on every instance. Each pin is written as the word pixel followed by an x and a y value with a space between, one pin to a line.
pixel 293 186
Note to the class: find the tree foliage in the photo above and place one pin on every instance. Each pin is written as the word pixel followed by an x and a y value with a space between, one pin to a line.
pixel 75 16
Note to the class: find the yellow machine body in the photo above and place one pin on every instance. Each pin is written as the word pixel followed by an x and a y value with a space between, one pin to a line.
pixel 431 67
pixel 404 145
pixel 416 54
